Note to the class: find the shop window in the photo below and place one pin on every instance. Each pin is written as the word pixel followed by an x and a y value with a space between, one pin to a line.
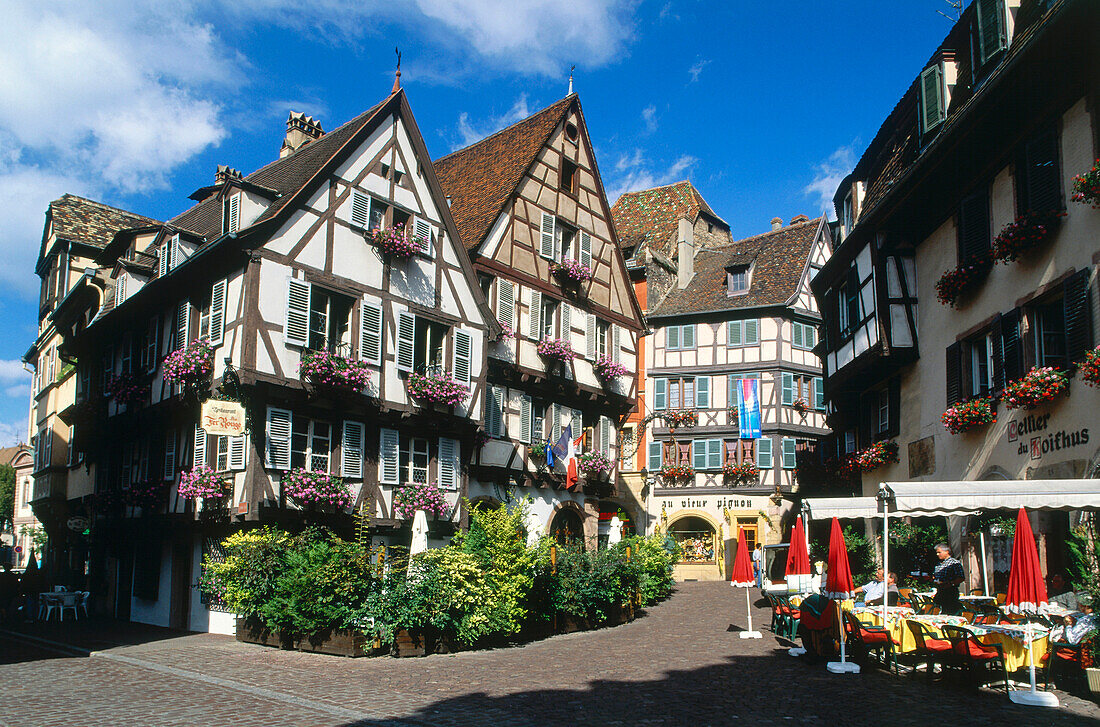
pixel 696 539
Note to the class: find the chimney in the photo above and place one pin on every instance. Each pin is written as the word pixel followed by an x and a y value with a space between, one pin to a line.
pixel 300 130
pixel 777 223
pixel 798 219
pixel 685 254
pixel 225 173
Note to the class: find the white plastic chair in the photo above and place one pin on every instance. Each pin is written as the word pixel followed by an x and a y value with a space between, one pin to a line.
pixel 83 601
pixel 58 589
pixel 69 602
pixel 47 604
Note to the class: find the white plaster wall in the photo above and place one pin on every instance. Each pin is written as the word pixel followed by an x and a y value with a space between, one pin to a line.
pixel 155 612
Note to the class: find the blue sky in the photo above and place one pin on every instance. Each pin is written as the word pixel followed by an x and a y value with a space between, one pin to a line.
pixel 764 106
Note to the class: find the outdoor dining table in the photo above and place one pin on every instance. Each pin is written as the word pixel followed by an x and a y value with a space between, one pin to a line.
pixel 1013 639
pixel 900 632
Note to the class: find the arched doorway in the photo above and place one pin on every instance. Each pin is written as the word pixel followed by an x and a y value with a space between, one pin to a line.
pixel 566 527
pixel 697 540
pixel 609 510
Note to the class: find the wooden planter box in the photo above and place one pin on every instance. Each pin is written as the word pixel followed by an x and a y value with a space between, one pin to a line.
pixel 338 642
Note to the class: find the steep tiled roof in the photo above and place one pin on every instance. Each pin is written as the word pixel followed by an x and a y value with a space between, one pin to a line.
pixel 481 178
pixel 778 259
pixel 8 454
pixel 650 216
pixel 92 223
pixel 286 176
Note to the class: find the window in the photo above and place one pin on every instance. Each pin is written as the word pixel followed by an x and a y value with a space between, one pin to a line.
pixel 991 28
pixel 973 228
pixel 790 459
pixel 1038 182
pixel 681 393
pixel 680 338
pixel 848 217
pixel 547 316
pixel 764 454
pixel 563 240
pixel 743 333
pixel 883 423
pixel 739 451
pixel 212 314
pixel 849 441
pixel 367 212
pixel 428 345
pixel 602 328
pixel 843 320
pixel 737 280
pixel 732 387
pixel 980 351
pixel 329 317
pixel 1048 322
pixel 933 108
pixel 310 444
pixel 707 454
pixel 804 335
pixel 414 460
pixel 568 181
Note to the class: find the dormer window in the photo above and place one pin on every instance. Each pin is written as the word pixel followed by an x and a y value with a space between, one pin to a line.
pixel 737 280
pixel 992 34
pixel 231 213
pixel 847 210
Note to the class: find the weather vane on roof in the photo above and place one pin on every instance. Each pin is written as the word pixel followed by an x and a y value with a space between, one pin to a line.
pixel 571 69
pixel 397 77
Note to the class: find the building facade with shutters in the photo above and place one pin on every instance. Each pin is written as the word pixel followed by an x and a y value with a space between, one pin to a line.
pixel 529 204
pixel 737 312
pixel 932 301
pixel 274 269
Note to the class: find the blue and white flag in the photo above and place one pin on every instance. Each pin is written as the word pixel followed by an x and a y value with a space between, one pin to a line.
pixel 748 407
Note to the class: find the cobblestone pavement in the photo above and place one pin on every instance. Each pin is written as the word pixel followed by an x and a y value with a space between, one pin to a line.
pixel 682 664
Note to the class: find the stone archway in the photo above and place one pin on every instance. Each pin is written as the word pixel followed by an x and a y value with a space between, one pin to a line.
pixel 567 523
pixel 700 539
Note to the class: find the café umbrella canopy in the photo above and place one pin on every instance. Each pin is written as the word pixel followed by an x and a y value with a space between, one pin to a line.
pixel 419 542
pixel 838 585
pixel 742 578
pixel 798 566
pixel 1026 593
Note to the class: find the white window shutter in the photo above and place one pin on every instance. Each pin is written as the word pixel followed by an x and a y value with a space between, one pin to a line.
pixel 555 423
pixel 536 315
pixel 406 343
pixel 566 322
pixel 170 454
pixel 463 356
pixel 237 452
pixel 525 419
pixel 183 324
pixel 449 465
pixel 177 255
pixel 234 221
pixel 280 422
pixel 162 258
pixel 422 231
pixel 120 289
pixel 605 436
pixel 590 337
pixel 388 464
pixel 616 344
pixel 586 249
pixel 351 450
pixel 546 242
pixel 370 333
pixel 660 394
pixel 702 392
pixel 506 302
pixel 298 295
pixel 217 312
pixel 654 456
pixel 198 453
pixel 152 342
pixel 360 209
pixel 788 389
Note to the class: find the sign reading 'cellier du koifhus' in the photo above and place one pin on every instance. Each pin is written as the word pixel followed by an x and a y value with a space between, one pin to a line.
pixel 1047 439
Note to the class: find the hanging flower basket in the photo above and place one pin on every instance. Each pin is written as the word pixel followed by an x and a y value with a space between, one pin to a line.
pixel 1086 187
pixel 1025 233
pixel 968 415
pixel 680 418
pixel 306 487
pixel 395 244
pixel 570 272
pixel 878 454
pixel 953 284
pixel 436 389
pixel 126 390
pixel 1089 367
pixel 1038 386
pixel 201 481
pixel 427 497
pixel 191 366
pixel 676 472
pixel 147 495
pixel 800 406
pixel 607 370
pixel 324 368
pixel 744 473
pixel 556 349
pixel 594 465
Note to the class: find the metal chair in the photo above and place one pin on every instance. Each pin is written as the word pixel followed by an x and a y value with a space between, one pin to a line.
pixel 1069 658
pixel 871 638
pixel 931 648
pixel 973 653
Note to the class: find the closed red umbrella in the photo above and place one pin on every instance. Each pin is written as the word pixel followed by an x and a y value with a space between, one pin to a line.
pixel 798 558
pixel 838 583
pixel 1026 589
pixel 742 578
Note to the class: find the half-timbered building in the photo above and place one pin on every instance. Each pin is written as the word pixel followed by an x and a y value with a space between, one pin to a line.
pixel 530 207
pixel 271 269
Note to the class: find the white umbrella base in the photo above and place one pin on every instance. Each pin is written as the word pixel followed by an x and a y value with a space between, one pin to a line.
pixel 796 651
pixel 843 667
pixel 1034 699
pixel 750 635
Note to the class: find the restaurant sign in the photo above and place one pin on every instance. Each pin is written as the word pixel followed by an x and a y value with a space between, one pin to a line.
pixel 1045 439
pixel 225 418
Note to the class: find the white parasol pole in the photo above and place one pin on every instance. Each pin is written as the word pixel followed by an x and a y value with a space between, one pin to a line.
pixel 885 564
pixel 985 563
pixel 1034 697
pixel 843 666
pixel 750 634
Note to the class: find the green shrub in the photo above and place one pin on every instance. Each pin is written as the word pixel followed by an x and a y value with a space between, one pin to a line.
pixel 655 557
pixel 246 579
pixel 583 584
pixel 911 546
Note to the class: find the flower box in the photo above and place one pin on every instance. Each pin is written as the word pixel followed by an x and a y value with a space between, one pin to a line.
pixel 1037 386
pixel 126 390
pixel 337 642
pixel 148 495
pixel 556 349
pixel 306 487
pixel 427 497
pixel 192 366
pixel 676 472
pixel 394 243
pixel 953 284
pixel 967 415
pixel 570 272
pixel 1086 187
pixel 745 473
pixel 201 481
pixel 324 368
pixel 594 465
pixel 436 389
pixel 878 454
pixel 1027 232
pixel 607 370
pixel 680 418
pixel 1089 367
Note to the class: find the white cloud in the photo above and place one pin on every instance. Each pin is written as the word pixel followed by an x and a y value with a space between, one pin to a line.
pixel 634 172
pixel 649 118
pixel 697 68
pixel 13 433
pixel 20 391
pixel 12 371
pixel 470 132
pixel 829 174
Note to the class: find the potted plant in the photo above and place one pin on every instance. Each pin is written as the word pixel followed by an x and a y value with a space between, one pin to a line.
pixel 1086 187
pixel 570 272
pixel 190 367
pixel 745 472
pixel 676 472
pixel 202 481
pixel 1089 367
pixel 967 415
pixel 395 244
pixel 309 487
pixel 594 466
pixel 556 349
pixel 440 388
pixel 325 368
pixel 126 389
pixel 412 497
pixel 680 418
pixel 800 406
pixel 878 454
pixel 1039 385
pixel 147 495
pixel 607 370
pixel 1026 232
pixel 953 284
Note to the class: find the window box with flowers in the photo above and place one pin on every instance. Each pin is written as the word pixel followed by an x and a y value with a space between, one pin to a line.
pixel 202 481
pixel 570 272
pixel 127 389
pixel 670 472
pixel 427 497
pixel 395 244
pixel 307 487
pixel 607 370
pixel 556 349
pixel 148 495
pixel 327 369
pixel 1089 367
pixel 1038 386
pixel 190 367
pixel 594 466
pixel 438 388
pixel 1027 232
pixel 744 473
pixel 1086 187
pixel 967 415
pixel 877 455
pixel 680 418
pixel 954 284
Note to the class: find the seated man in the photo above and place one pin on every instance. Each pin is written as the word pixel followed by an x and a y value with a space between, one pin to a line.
pixel 874 589
pixel 1060 593
pixel 892 594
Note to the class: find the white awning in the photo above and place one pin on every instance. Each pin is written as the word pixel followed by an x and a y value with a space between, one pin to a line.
pixel 823 508
pixel 966 497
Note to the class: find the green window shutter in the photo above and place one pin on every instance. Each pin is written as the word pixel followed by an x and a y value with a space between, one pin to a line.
pixel 654 456
pixel 699 447
pixel 660 393
pixel 991 27
pixel 752 331
pixel 819 393
pixel 788 453
pixel 733 335
pixel 689 336
pixel 702 392
pixel 714 454
pixel 932 106
pixel 764 454
pixel 788 389
pixel 796 330
pixel 672 337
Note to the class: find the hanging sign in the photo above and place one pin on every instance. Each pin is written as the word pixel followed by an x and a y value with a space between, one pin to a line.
pixel 748 407
pixel 224 418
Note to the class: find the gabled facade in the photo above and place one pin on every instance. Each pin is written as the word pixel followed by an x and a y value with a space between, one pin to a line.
pixel 526 200
pixel 268 268
pixel 993 130
pixel 21 459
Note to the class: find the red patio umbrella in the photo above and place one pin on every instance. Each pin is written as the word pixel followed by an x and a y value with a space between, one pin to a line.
pixel 742 578
pixel 838 583
pixel 1026 592
pixel 798 559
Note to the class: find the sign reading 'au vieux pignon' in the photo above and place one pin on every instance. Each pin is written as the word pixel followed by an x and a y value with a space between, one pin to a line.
pixel 222 417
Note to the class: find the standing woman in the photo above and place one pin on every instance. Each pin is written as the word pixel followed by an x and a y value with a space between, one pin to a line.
pixel 948 576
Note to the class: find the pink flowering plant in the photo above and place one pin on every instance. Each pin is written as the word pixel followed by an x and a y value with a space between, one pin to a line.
pixel 878 454
pixel 506 331
pixel 556 348
pixel 427 497
pixel 307 487
pixel 607 369
pixel 1038 386
pixel 190 366
pixel 594 465
pixel 746 472
pixel 127 389
pixel 147 495
pixel 438 388
pixel 324 368
pixel 1027 232
pixel 570 271
pixel 1089 367
pixel 395 243
pixel 1086 187
pixel 967 415
pixel 201 481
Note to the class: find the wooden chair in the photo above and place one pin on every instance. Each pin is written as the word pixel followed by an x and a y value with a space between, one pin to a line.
pixel 931 648
pixel 865 639
pixel 972 654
